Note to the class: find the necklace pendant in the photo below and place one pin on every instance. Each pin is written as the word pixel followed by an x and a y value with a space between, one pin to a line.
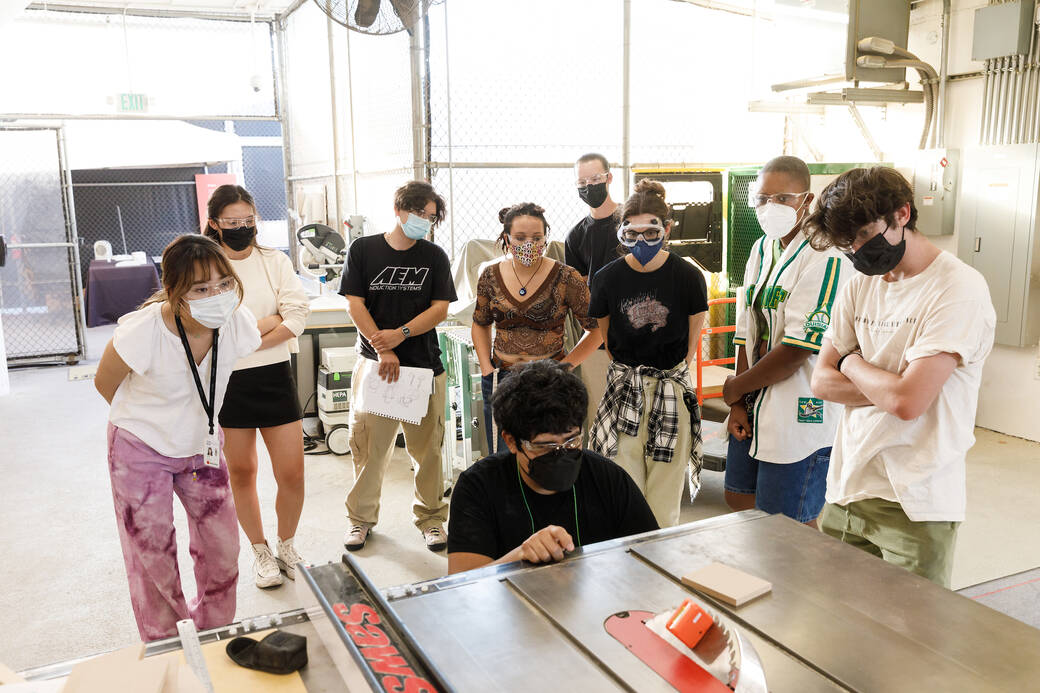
pixel 522 291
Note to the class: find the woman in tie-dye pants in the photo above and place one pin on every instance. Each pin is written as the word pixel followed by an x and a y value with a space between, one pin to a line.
pixel 143 484
pixel 164 374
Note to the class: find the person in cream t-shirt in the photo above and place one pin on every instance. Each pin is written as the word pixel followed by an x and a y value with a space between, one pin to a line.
pixel 905 350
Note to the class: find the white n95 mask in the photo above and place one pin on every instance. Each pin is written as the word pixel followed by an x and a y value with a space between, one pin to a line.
pixel 214 311
pixel 776 219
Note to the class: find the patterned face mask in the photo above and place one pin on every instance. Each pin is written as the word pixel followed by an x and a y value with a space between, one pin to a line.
pixel 528 252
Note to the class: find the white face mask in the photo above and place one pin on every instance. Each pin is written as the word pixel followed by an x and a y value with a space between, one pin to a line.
pixel 214 311
pixel 776 219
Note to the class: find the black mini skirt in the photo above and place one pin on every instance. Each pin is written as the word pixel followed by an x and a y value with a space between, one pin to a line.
pixel 261 397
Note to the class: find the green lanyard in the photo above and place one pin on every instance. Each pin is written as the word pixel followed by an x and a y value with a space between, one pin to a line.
pixel 574 496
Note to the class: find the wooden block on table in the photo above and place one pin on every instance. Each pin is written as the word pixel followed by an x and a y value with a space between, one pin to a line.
pixel 727 584
pixel 119 671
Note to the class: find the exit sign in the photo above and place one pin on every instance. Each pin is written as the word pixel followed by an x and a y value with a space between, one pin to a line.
pixel 133 103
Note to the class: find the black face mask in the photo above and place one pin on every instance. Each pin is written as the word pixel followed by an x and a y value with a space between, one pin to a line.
pixel 593 195
pixel 878 256
pixel 238 239
pixel 555 471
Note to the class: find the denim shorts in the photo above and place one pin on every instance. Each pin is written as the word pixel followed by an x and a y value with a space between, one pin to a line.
pixel 796 490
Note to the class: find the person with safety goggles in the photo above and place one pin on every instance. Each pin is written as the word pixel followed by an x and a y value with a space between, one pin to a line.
pixel 650 305
pixel 908 339
pixel 780 434
pixel 165 373
pixel 590 245
pixel 527 297
pixel 261 394
pixel 398 286
pixel 544 495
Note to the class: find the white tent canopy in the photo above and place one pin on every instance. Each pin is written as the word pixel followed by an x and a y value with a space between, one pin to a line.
pixel 93 144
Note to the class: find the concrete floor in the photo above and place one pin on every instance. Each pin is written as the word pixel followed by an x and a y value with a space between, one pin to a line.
pixel 63 590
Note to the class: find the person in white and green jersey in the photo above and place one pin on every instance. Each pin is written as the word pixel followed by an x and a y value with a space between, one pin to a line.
pixel 780 435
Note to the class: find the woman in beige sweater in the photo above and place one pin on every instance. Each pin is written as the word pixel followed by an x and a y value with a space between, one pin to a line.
pixel 261 394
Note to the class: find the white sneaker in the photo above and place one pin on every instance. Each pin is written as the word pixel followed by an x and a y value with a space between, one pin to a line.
pixel 435 538
pixel 265 567
pixel 288 558
pixel 357 535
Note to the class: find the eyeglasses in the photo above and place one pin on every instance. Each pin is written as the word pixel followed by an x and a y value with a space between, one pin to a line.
pixel 572 443
pixel 592 180
pixel 629 234
pixel 422 214
pixel 757 200
pixel 235 223
pixel 203 290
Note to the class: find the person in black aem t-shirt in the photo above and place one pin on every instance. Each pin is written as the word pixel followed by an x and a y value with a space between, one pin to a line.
pixel 398 286
pixel 590 245
pixel 650 305
pixel 546 495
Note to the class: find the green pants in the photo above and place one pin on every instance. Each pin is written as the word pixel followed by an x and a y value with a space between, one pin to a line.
pixel 882 528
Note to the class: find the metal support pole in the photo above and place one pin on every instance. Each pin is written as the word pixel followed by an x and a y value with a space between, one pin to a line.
pixel 451 152
pixel 335 116
pixel 626 104
pixel 865 131
pixel 353 139
pixel 415 57
pixel 72 234
pixel 281 95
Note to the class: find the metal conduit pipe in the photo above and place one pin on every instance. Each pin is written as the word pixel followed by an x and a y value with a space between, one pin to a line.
pixel 985 102
pixel 1009 107
pixel 1016 101
pixel 1020 97
pixel 991 113
pixel 1029 107
pixel 944 68
pixel 1001 94
pixel 1035 87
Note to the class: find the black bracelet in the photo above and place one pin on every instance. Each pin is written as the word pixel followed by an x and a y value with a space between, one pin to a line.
pixel 837 366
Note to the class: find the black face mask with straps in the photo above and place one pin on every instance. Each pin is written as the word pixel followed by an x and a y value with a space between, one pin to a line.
pixel 878 256
pixel 593 195
pixel 238 238
pixel 555 471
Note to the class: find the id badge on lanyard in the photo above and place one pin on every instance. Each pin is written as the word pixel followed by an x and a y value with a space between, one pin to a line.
pixel 211 446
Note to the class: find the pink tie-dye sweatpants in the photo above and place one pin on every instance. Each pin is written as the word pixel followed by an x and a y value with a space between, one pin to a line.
pixel 143 484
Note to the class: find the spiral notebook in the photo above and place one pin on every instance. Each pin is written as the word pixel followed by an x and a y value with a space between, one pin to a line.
pixel 407 399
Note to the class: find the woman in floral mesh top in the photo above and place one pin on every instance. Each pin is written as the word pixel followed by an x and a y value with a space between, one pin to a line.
pixel 526 296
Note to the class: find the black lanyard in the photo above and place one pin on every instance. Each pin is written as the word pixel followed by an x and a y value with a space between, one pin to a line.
pixel 208 408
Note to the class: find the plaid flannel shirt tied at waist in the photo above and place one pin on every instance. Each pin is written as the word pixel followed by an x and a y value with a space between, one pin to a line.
pixel 622 407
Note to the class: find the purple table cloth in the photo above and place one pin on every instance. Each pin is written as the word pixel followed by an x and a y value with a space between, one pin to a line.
pixel 113 291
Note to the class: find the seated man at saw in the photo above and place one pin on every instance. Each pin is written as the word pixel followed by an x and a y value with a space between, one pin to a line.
pixel 545 495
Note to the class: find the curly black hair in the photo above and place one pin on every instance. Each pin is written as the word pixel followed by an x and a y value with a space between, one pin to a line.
pixel 540 397
pixel 855 199
pixel 506 215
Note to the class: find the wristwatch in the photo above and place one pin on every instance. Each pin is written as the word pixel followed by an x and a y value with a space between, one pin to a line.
pixel 406 332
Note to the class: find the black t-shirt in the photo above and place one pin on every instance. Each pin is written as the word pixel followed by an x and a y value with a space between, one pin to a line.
pixel 488 515
pixel 397 285
pixel 591 244
pixel 649 311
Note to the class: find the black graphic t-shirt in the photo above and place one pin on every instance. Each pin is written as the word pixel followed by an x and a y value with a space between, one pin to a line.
pixel 397 285
pixel 591 244
pixel 489 515
pixel 649 311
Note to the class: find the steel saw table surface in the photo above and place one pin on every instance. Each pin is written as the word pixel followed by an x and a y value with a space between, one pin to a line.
pixel 837 618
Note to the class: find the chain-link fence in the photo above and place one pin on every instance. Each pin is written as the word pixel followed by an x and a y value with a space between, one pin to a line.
pixel 39 294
